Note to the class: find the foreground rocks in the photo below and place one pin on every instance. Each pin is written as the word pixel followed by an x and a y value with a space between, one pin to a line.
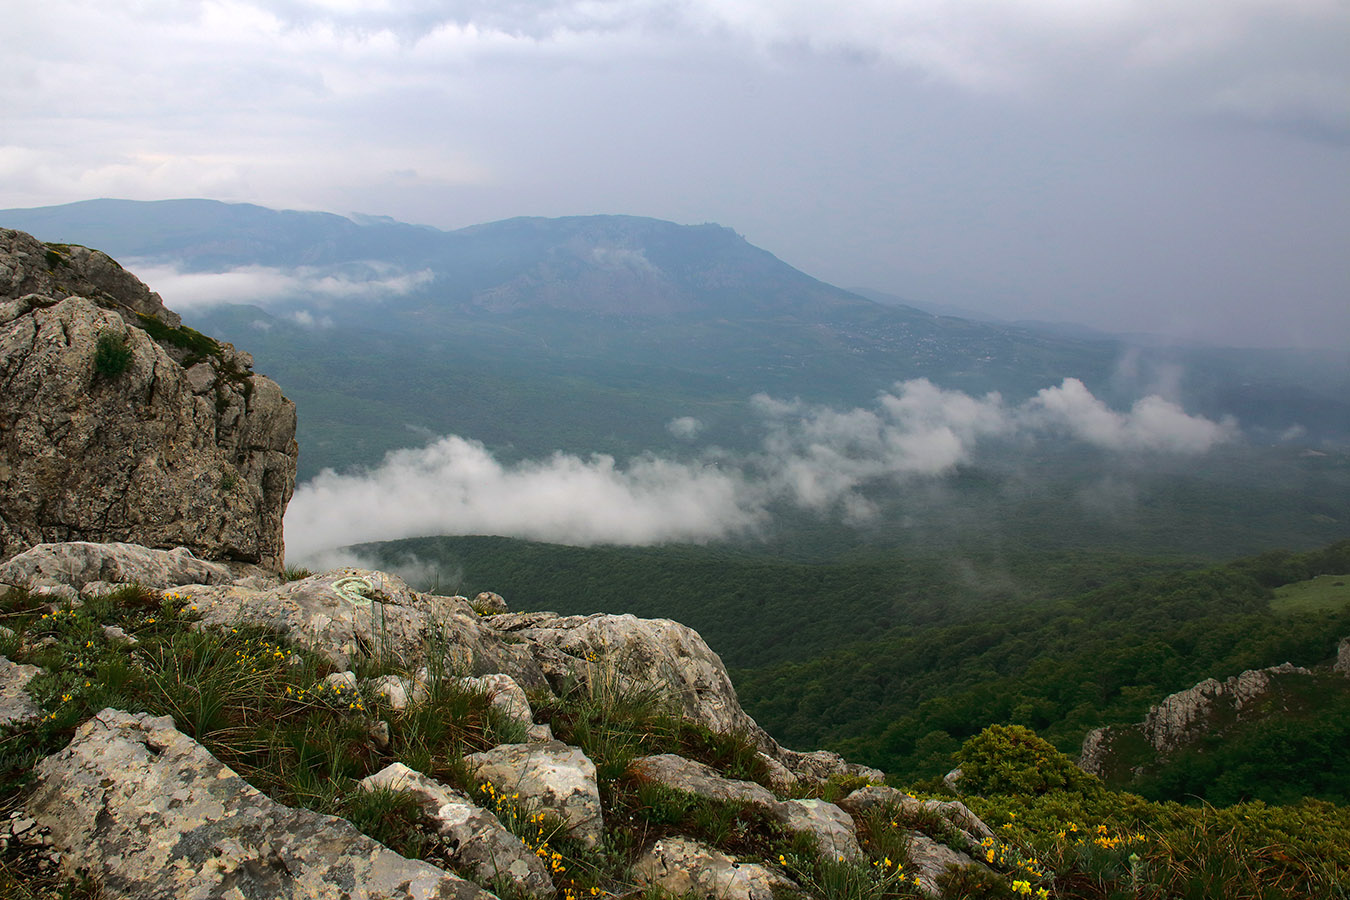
pixel 117 424
pixel 151 814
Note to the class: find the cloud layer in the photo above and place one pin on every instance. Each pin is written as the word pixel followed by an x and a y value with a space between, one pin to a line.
pixel 812 457
pixel 267 286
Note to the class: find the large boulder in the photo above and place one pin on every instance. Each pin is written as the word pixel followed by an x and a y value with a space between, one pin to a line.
pixel 118 424
pixel 16 706
pixel 152 815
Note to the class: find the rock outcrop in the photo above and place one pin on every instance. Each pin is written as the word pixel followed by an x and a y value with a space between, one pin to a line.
pixel 119 424
pixel 149 812
pixel 154 816
pixel 1116 753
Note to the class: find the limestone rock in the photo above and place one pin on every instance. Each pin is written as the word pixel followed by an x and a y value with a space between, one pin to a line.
pixel 682 867
pixel 695 778
pixel 80 564
pixel 16 706
pixel 932 859
pixel 490 603
pixel 819 766
pixel 153 816
pixel 630 652
pixel 1178 716
pixel 956 813
pixel 1342 663
pixel 505 695
pixel 830 825
pixel 549 776
pixel 129 453
pixel 351 613
pixel 477 840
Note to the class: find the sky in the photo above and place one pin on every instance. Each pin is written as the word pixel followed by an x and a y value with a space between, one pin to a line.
pixel 1178 167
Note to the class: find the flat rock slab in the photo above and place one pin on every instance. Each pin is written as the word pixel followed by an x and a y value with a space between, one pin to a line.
pixel 478 841
pixel 152 815
pixel 78 563
pixel 548 776
pixel 682 867
pixel 16 706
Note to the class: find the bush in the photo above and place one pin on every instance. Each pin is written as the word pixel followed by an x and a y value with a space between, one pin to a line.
pixel 112 356
pixel 1011 759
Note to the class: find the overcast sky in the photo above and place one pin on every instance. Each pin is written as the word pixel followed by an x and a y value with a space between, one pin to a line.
pixel 1178 166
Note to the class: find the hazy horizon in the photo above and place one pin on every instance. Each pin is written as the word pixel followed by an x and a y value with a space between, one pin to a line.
pixel 1182 170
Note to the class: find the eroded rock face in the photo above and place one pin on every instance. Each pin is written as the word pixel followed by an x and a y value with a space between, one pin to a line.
pixel 931 859
pixel 120 444
pixel 550 776
pixel 477 840
pixel 79 564
pixel 682 867
pixel 154 816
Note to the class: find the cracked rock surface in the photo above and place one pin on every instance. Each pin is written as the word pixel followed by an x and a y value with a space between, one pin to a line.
pixel 154 816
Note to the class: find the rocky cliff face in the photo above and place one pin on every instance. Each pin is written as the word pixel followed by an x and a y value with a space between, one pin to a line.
pixel 117 423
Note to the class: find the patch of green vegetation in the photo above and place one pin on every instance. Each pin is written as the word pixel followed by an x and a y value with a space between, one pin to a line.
pixel 1325 592
pixel 54 258
pixel 112 355
pixel 198 345
pixel 1084 841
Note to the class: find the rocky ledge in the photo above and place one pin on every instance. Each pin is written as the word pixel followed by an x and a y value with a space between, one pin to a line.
pixel 117 423
pixel 610 755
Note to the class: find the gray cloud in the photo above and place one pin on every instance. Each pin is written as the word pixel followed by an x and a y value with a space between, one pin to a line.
pixel 812 457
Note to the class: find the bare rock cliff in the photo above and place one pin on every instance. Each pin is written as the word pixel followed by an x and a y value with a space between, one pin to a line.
pixel 119 424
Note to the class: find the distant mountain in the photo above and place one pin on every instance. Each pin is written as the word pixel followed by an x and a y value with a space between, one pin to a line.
pixel 590 333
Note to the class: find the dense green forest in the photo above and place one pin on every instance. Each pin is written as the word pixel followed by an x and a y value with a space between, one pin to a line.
pixel 896 659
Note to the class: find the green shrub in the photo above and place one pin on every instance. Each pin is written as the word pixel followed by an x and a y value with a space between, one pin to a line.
pixel 112 356
pixel 1012 759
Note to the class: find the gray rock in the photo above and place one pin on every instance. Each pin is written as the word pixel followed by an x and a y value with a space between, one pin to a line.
pixel 954 812
pixel 56 595
pixel 1342 663
pixel 16 706
pixel 478 842
pixel 504 694
pixel 396 692
pixel 621 653
pixel 116 635
pixel 355 613
pixel 828 824
pixel 819 766
pixel 1183 714
pixel 548 776
pixel 931 859
pixel 152 815
pixel 133 455
pixel 695 778
pixel 490 603
pixel 681 867
pixel 82 565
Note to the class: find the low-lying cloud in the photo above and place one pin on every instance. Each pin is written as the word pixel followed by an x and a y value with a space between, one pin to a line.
pixel 267 285
pixel 812 457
